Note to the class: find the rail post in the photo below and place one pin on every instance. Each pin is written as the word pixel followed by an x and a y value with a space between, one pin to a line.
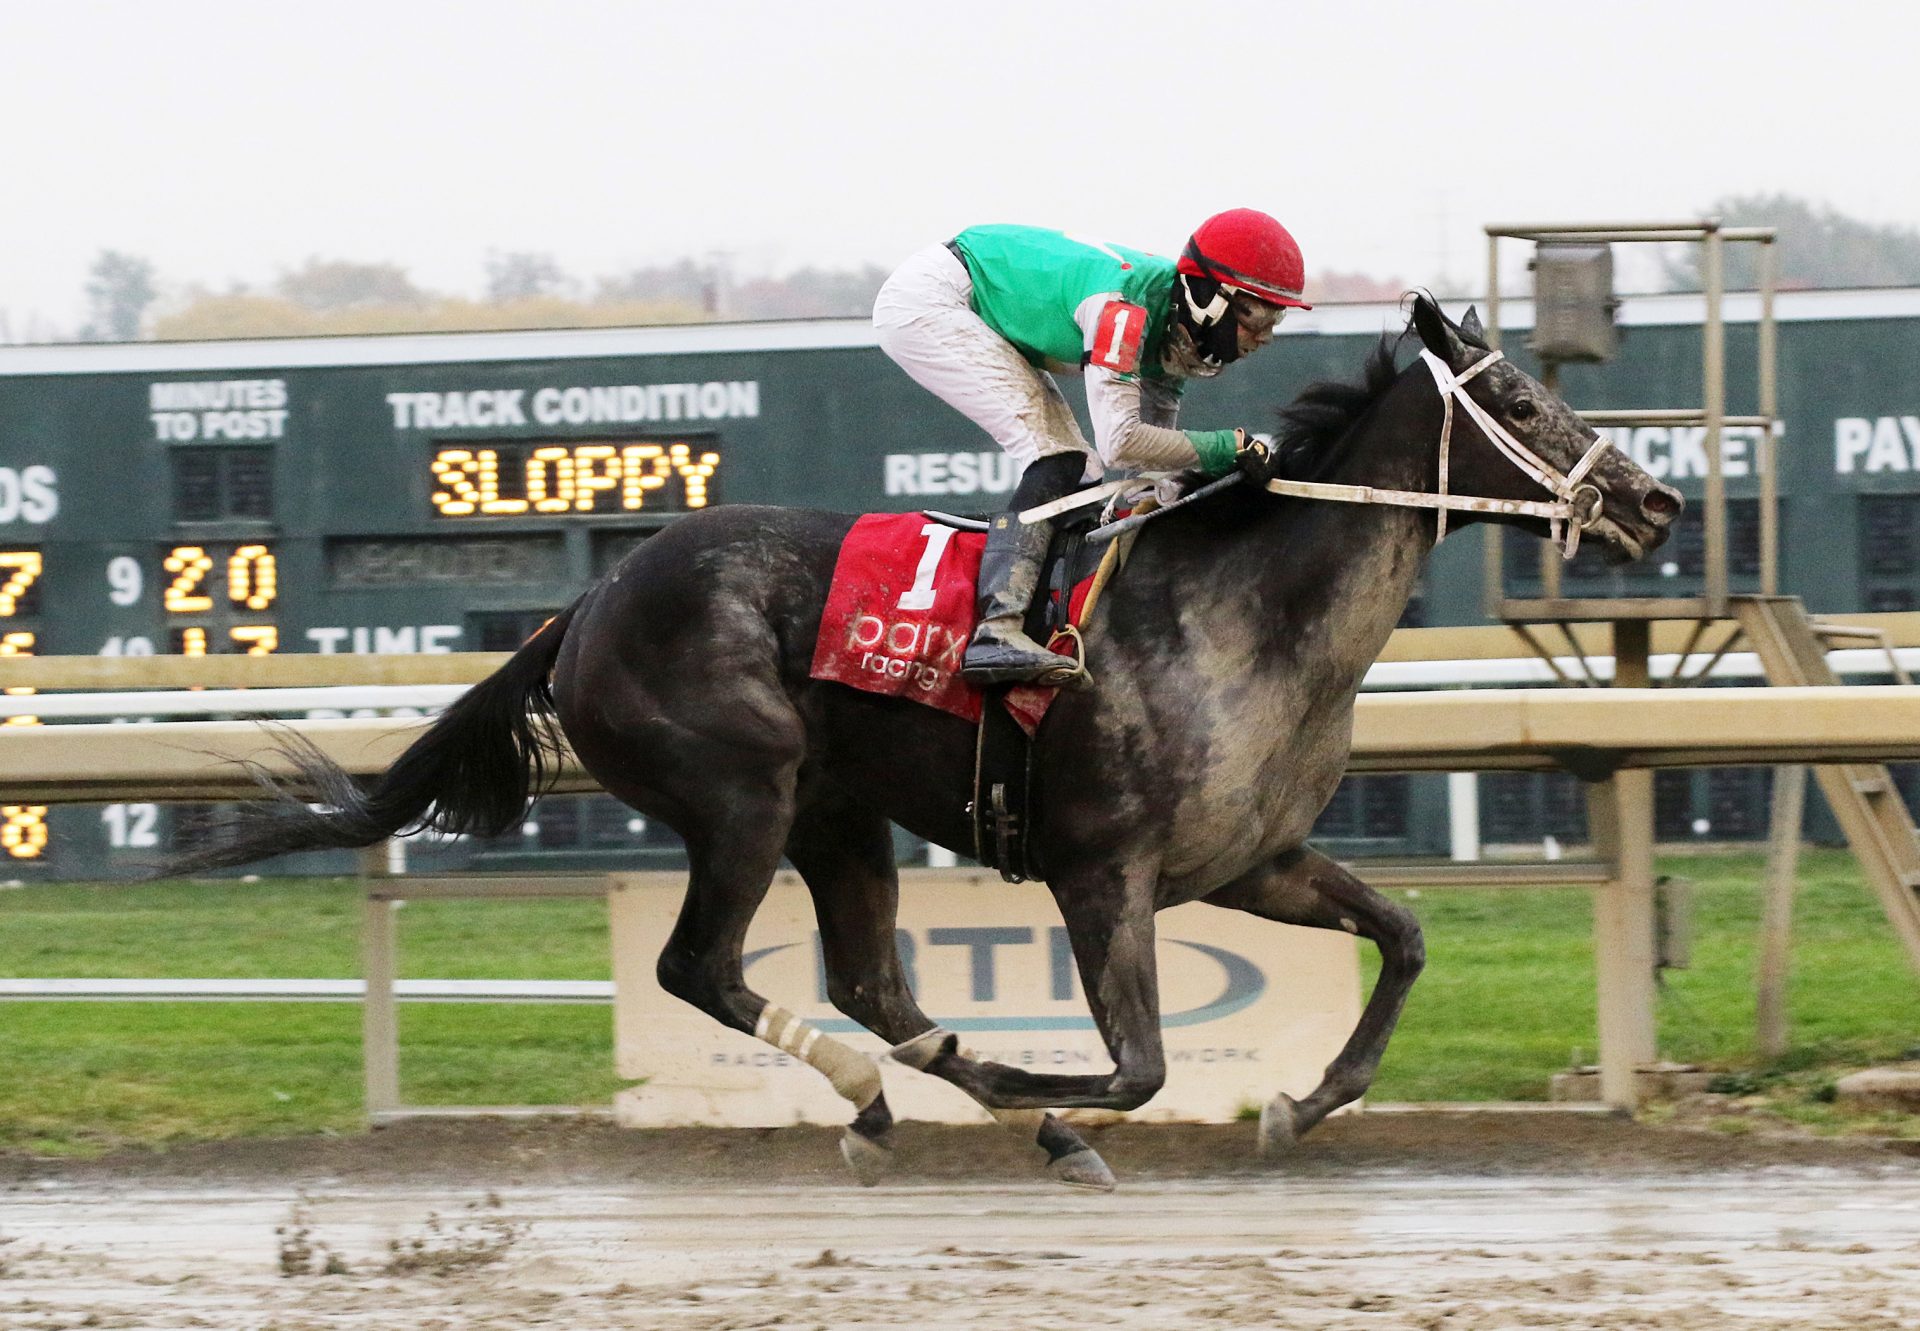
pixel 1620 811
pixel 1776 918
pixel 379 967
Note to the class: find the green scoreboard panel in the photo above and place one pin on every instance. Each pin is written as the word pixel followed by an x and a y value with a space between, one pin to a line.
pixel 449 492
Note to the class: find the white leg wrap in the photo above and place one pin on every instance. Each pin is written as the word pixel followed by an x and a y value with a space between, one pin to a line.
pixel 855 1076
pixel 920 1050
pixel 1025 1122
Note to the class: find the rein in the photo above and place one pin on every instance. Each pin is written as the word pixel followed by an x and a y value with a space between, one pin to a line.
pixel 1567 518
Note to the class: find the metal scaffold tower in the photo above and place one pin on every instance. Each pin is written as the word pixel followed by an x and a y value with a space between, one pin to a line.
pixel 1574 308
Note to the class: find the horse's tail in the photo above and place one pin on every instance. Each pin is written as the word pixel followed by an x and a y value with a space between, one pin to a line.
pixel 472 772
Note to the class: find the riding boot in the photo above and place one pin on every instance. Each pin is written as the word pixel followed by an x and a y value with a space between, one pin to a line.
pixel 1001 652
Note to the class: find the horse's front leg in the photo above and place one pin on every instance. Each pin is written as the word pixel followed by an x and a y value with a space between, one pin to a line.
pixel 1109 918
pixel 1305 887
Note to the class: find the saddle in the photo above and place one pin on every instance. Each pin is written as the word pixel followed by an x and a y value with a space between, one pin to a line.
pixel 898 616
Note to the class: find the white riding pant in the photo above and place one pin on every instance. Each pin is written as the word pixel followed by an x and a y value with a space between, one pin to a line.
pixel 925 320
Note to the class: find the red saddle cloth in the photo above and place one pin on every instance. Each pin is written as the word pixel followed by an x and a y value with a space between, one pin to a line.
pixel 900 612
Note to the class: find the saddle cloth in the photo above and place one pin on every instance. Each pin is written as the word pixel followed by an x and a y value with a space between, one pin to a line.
pixel 900 611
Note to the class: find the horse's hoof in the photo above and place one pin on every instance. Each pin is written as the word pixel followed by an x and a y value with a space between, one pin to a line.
pixel 1082 1169
pixel 920 1052
pixel 1279 1126
pixel 869 1160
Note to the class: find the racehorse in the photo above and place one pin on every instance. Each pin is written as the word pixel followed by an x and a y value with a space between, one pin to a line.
pixel 1230 651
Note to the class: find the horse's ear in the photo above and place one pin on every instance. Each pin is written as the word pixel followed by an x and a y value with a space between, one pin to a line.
pixel 1435 332
pixel 1471 328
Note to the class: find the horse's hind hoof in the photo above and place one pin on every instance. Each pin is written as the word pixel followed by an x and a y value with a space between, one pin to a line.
pixel 1279 1126
pixel 1082 1169
pixel 922 1051
pixel 870 1161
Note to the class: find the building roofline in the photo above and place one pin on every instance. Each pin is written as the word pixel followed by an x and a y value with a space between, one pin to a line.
pixel 293 353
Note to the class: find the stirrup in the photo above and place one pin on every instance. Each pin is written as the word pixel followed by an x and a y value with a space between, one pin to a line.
pixel 1058 677
pixel 996 663
pixel 1030 663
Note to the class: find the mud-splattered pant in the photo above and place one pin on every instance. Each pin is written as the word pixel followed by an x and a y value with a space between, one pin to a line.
pixel 924 317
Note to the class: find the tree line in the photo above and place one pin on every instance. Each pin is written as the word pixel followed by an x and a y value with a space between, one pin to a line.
pixel 126 302
pixel 1818 247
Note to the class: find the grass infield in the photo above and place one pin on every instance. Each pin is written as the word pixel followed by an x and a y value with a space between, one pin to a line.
pixel 1507 1000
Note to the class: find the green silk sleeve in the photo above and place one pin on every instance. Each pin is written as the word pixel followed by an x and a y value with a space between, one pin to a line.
pixel 1216 450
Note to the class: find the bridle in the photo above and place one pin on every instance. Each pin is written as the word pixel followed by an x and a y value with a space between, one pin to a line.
pixel 1575 511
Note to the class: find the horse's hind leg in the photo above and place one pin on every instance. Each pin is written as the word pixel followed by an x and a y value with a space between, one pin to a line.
pixel 733 848
pixel 1305 887
pixel 845 854
pixel 1108 911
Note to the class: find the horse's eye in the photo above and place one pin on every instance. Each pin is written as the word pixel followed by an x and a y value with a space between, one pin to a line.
pixel 1523 410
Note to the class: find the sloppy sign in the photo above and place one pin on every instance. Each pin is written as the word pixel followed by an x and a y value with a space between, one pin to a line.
pixel 1248 1007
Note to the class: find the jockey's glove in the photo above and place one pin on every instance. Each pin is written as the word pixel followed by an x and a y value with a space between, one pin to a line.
pixel 1253 457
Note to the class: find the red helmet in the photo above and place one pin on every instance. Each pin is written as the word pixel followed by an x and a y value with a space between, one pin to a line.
pixel 1246 250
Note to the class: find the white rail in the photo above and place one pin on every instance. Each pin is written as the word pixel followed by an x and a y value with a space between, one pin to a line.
pixel 1532 670
pixel 414 698
pixel 302 991
pixel 235 702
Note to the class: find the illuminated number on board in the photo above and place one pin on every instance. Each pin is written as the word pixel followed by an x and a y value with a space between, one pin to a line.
pixel 23 830
pixel 253 578
pixel 18 643
pixel 252 585
pixel 259 639
pixel 19 570
pixel 189 565
pixel 253 639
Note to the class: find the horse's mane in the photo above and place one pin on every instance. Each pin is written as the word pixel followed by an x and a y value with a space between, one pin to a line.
pixel 1326 410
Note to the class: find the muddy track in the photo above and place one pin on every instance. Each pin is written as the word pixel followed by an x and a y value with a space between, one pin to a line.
pixel 1379 1222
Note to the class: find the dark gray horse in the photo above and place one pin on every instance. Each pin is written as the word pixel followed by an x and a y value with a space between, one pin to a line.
pixel 1229 653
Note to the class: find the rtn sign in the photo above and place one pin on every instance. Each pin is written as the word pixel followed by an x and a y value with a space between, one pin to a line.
pixel 1249 1007
pixel 995 954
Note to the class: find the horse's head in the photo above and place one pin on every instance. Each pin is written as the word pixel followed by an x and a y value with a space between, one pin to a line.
pixel 1548 454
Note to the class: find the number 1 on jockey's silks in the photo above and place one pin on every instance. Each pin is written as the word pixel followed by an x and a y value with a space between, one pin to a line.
pixel 920 595
pixel 1120 323
pixel 1117 333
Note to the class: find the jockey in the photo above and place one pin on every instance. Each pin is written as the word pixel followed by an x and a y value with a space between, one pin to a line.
pixel 982 322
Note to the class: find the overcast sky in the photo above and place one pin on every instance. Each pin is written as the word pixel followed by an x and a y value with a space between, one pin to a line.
pixel 228 141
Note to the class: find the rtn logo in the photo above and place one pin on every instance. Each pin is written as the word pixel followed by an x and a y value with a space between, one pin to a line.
pixel 990 947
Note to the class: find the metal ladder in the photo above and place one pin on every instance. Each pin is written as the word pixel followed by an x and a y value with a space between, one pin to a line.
pixel 1793 651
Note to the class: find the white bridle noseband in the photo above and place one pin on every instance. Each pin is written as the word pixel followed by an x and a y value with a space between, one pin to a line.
pixel 1566 518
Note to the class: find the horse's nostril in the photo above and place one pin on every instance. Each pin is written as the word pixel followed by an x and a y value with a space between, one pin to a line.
pixel 1662 502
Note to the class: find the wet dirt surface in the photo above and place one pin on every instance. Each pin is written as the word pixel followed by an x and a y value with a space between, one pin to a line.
pixel 1379 1221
